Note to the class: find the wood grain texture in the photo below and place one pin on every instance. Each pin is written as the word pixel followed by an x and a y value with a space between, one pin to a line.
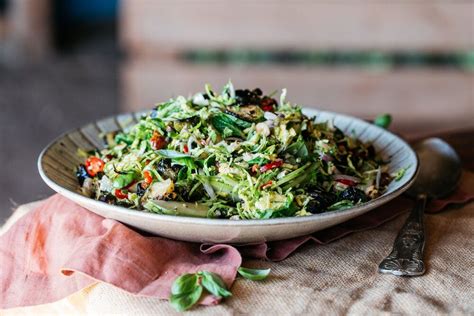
pixel 150 27
pixel 419 100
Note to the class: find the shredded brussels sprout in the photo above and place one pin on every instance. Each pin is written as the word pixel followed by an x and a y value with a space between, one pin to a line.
pixel 239 154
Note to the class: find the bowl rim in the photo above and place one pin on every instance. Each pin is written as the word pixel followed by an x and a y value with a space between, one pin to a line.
pixel 359 209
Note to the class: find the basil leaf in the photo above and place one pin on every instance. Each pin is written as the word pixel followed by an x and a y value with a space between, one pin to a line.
pixel 123 180
pixel 184 301
pixel 226 125
pixel 167 153
pixel 383 120
pixel 214 284
pixel 184 283
pixel 253 274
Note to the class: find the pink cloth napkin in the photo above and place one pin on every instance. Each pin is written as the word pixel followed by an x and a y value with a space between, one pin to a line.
pixel 60 248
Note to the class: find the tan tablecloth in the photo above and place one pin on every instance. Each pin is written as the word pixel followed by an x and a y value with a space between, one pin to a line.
pixel 338 278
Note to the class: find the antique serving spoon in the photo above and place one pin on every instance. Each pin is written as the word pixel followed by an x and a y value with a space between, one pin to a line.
pixel 440 171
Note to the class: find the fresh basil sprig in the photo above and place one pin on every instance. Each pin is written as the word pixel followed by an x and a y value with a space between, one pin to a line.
pixel 187 289
pixel 253 274
pixel 185 292
pixel 214 284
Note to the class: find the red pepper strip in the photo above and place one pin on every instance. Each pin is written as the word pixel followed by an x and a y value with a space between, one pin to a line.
pixel 347 182
pixel 266 185
pixel 94 165
pixel 185 149
pixel 120 194
pixel 271 165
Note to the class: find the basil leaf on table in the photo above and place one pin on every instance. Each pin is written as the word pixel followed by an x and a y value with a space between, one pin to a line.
pixel 253 274
pixel 184 301
pixel 214 284
pixel 184 283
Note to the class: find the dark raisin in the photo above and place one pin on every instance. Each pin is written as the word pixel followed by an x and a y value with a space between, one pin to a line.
pixel 140 190
pixel 353 194
pixel 107 198
pixel 320 201
pixel 257 91
pixel 338 134
pixel 371 151
pixel 81 174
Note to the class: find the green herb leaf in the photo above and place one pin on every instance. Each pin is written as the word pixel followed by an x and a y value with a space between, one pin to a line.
pixel 184 283
pixel 253 274
pixel 185 301
pixel 383 120
pixel 172 154
pixel 400 173
pixel 123 180
pixel 214 284
pixel 225 124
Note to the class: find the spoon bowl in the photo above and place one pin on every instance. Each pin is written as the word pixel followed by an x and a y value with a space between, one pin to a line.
pixel 440 169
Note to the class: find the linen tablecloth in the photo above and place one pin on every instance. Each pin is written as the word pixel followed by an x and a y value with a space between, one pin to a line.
pixel 340 277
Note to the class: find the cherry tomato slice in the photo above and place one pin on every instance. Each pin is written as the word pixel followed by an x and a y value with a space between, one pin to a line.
pixel 147 177
pixel 119 194
pixel 157 141
pixel 94 165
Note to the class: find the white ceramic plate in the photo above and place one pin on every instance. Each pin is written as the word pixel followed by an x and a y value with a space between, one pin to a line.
pixel 57 163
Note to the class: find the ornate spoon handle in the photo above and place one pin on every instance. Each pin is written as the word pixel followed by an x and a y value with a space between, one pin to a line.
pixel 406 258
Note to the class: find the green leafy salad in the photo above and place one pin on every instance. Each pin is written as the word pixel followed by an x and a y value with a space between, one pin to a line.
pixel 239 154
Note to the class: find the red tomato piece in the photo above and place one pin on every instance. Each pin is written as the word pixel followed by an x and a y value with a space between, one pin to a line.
pixel 120 194
pixel 157 141
pixel 94 165
pixel 147 176
pixel 185 149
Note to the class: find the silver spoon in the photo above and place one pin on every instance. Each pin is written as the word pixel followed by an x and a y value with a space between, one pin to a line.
pixel 440 171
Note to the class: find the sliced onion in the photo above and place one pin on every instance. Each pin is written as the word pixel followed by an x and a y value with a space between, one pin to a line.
pixel 345 177
pixel 270 116
pixel 209 190
pixel 377 179
pixel 326 157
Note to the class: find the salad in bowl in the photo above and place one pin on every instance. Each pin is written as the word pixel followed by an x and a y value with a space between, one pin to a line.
pixel 239 154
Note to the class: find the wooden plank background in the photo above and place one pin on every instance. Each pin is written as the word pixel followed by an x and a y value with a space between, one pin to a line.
pixel 155 32
pixel 151 26
pixel 421 99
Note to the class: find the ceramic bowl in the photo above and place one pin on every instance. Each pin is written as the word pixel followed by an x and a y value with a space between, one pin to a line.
pixel 58 160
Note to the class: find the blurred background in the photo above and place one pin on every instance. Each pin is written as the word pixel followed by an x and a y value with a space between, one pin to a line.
pixel 64 63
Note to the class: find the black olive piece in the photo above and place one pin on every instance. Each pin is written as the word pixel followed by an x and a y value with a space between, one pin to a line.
pixel 257 91
pixel 140 190
pixel 82 174
pixel 320 201
pixel 353 194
